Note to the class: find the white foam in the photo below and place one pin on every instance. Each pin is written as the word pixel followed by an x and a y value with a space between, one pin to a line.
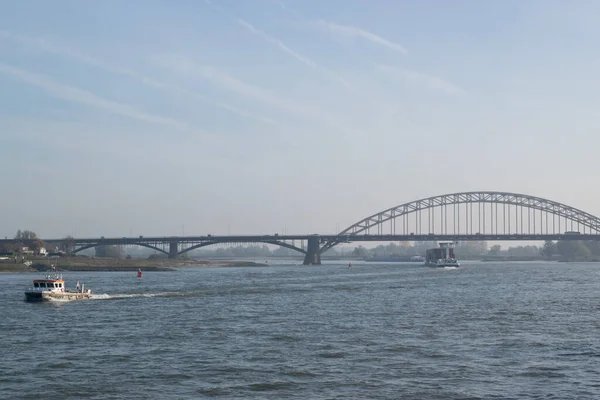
pixel 99 296
pixel 129 296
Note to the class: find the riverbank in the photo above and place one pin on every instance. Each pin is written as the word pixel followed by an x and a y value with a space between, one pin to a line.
pixel 542 259
pixel 110 264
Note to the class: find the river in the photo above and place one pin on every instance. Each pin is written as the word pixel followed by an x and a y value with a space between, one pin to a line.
pixel 373 331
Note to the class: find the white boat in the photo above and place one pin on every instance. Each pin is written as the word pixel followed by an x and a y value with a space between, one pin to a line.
pixel 442 256
pixel 52 288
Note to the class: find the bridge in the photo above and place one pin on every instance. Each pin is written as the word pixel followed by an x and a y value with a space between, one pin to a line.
pixel 451 217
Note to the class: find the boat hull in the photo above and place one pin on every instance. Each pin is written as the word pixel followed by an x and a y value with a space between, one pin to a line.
pixel 50 296
pixel 443 264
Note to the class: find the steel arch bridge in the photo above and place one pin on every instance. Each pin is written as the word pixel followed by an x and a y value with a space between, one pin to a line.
pixel 508 215
pixel 483 215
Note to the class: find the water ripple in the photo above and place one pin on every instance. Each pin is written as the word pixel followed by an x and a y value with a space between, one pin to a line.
pixel 377 332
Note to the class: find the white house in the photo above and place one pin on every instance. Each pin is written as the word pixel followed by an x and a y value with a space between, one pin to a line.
pixel 41 252
pixel 25 250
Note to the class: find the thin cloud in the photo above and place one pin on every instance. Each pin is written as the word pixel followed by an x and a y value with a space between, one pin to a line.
pixel 52 48
pixel 240 88
pixel 352 31
pixel 284 6
pixel 227 82
pixel 280 45
pixel 303 59
pixel 77 95
pixel 429 82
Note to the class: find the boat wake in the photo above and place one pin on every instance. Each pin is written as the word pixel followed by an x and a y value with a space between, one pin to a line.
pixel 106 296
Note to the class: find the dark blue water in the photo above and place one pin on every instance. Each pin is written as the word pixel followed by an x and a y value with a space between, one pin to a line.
pixel 522 331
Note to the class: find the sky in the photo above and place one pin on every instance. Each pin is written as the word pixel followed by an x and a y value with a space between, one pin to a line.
pixel 155 117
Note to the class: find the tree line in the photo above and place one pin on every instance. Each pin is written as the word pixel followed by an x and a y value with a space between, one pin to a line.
pixel 27 239
pixel 572 250
pixel 569 250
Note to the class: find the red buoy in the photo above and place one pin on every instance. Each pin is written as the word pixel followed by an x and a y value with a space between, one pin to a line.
pixel 139 273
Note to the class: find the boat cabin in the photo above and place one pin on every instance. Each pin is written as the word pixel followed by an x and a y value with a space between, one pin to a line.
pixel 54 284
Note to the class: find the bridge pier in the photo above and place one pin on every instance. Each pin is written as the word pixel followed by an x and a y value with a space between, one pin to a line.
pixel 173 249
pixel 312 257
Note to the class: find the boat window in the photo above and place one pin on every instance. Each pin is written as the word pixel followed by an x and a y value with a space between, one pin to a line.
pixel 35 284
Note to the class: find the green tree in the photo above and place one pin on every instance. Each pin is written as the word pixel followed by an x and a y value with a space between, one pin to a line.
pixel 471 249
pixel 110 252
pixel 524 251
pixel 495 250
pixel 572 249
pixel 549 249
pixel 9 248
pixel 68 244
pixel 594 246
pixel 157 256
pixel 420 248
pixel 37 245
pixel 392 249
pixel 360 251
pixel 25 235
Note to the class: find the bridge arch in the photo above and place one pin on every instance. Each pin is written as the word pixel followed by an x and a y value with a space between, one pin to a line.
pixel 495 212
pixel 274 242
pixel 91 245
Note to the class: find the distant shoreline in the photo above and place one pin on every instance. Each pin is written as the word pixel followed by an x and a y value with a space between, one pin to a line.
pixel 109 264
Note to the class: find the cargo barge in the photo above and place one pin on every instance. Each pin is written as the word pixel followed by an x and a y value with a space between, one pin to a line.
pixel 443 256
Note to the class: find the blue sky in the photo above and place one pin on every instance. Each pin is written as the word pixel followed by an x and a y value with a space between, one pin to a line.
pixel 297 115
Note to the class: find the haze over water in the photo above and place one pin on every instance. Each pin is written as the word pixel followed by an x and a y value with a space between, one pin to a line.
pixel 386 331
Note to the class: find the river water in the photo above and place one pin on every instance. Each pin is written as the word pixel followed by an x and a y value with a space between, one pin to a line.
pixel 375 331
